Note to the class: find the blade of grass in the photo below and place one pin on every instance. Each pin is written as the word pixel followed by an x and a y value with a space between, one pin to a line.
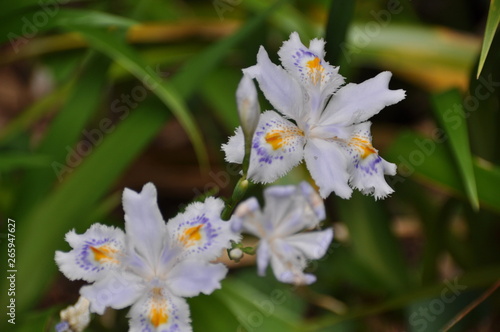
pixel 489 32
pixel 15 160
pixel 427 160
pixel 447 107
pixel 339 19
pixel 119 51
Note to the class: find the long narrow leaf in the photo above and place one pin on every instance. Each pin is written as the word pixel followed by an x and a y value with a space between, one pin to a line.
pixel 448 109
pixel 489 32
pixel 71 204
pixel 426 159
pixel 119 51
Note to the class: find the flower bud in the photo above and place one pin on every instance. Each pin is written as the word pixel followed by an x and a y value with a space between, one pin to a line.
pixel 235 254
pixel 248 106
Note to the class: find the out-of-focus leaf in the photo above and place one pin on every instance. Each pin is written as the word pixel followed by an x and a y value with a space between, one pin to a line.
pixel 288 18
pixel 36 321
pixel 65 130
pixel 489 32
pixel 373 243
pixel 192 74
pixel 21 27
pixel 433 58
pixel 223 101
pixel 71 204
pixel 255 310
pixel 472 280
pixel 119 51
pixel 15 160
pixel 34 112
pixel 339 18
pixel 428 160
pixel 447 107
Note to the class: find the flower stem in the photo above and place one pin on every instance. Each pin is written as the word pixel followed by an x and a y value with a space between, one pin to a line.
pixel 238 193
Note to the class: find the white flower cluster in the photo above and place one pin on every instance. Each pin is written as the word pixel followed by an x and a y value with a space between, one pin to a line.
pixel 153 266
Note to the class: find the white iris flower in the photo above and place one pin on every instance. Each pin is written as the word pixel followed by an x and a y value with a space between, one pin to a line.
pixel 329 129
pixel 153 266
pixel 289 211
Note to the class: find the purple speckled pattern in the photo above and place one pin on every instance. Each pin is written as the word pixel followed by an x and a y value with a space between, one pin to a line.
pixel 173 318
pixel 208 231
pixel 264 151
pixel 84 259
pixel 301 57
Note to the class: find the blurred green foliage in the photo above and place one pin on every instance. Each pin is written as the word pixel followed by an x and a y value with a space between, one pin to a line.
pixel 137 91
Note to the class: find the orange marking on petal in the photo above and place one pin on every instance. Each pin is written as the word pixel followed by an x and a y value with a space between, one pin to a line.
pixel 191 235
pixel 158 315
pixel 364 146
pixel 103 253
pixel 275 138
pixel 315 70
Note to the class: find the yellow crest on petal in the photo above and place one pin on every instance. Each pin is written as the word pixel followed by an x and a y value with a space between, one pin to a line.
pixel 191 235
pixel 104 253
pixel 363 145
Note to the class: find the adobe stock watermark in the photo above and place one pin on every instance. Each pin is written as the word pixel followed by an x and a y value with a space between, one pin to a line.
pixel 454 115
pixel 428 313
pixel 120 107
pixel 222 6
pixel 362 36
pixel 31 24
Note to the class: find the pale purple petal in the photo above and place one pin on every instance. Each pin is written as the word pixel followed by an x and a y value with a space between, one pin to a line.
pixel 312 244
pixel 117 290
pixel 235 148
pixel 143 222
pixel 355 103
pixel 158 310
pixel 192 277
pixel 277 147
pixel 201 231
pixel 367 168
pixel 282 91
pixel 328 165
pixel 100 249
pixel 263 257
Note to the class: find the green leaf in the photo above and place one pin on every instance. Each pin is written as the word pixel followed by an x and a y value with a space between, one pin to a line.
pixel 255 310
pixel 192 74
pixel 21 27
pixel 119 51
pixel 339 19
pixel 73 202
pixel 373 242
pixel 34 112
pixel 15 160
pixel 448 109
pixel 66 129
pixel 223 101
pixel 489 32
pixel 427 160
